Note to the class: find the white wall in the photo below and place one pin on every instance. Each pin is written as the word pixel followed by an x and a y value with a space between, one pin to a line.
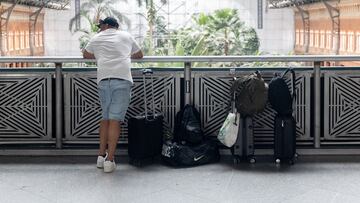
pixel 277 35
pixel 59 41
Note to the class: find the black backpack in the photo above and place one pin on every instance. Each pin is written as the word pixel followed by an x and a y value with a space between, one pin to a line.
pixel 179 155
pixel 250 94
pixel 280 96
pixel 188 126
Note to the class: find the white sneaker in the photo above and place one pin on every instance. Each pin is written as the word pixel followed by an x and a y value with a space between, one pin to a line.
pixel 109 166
pixel 101 160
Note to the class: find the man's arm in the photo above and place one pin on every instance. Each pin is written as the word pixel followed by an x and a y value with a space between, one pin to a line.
pixel 137 55
pixel 88 55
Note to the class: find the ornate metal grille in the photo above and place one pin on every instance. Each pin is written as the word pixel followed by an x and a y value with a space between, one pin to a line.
pixel 211 97
pixel 341 106
pixel 25 106
pixel 82 107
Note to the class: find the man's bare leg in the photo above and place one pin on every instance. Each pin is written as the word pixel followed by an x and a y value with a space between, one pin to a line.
pixel 114 130
pixel 104 126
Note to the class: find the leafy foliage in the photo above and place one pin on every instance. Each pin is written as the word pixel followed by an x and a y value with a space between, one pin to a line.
pixel 92 11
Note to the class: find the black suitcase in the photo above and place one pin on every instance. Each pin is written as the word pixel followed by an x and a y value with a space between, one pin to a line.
pixel 285 129
pixel 285 139
pixel 243 148
pixel 145 132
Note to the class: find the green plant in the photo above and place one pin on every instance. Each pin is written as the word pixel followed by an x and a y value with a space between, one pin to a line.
pixel 154 21
pixel 92 11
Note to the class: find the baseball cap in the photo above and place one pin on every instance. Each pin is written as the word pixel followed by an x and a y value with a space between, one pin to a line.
pixel 100 23
pixel 109 21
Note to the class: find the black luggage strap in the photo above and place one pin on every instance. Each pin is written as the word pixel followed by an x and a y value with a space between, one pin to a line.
pixel 293 78
pixel 232 100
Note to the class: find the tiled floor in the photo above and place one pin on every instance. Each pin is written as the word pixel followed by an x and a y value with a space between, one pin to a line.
pixel 76 179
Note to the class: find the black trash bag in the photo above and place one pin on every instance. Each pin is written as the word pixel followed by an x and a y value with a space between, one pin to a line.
pixel 187 129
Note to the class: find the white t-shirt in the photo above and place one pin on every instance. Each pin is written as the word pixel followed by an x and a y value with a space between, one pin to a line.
pixel 112 49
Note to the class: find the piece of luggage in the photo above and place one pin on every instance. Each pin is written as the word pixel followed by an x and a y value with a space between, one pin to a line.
pixel 187 129
pixel 280 96
pixel 285 139
pixel 251 94
pixel 283 101
pixel 243 148
pixel 179 155
pixel 229 130
pixel 145 132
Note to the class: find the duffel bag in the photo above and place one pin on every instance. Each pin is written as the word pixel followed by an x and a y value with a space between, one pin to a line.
pixel 183 156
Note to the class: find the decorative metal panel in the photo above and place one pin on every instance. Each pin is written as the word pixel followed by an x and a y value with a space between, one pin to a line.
pixel 82 107
pixel 341 106
pixel 211 97
pixel 25 106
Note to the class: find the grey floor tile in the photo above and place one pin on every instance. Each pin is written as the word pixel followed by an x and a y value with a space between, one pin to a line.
pixel 172 196
pixel 13 194
pixel 76 179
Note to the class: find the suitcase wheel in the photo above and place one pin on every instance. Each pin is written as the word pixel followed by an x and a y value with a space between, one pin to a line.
pixel 290 161
pixel 236 159
pixel 135 162
pixel 252 160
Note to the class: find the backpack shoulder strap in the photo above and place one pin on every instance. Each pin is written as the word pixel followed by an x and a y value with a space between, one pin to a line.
pixel 293 78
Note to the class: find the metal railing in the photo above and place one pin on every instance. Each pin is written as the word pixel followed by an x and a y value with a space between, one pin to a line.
pixel 188 81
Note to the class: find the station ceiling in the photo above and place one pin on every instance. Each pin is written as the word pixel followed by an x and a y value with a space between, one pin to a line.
pixel 291 3
pixel 52 4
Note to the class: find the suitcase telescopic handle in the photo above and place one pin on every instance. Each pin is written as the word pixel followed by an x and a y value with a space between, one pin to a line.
pixel 145 72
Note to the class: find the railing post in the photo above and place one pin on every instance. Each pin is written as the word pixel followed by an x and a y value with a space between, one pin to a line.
pixel 59 104
pixel 187 78
pixel 317 103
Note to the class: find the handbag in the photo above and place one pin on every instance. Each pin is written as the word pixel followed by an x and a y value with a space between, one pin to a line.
pixel 229 130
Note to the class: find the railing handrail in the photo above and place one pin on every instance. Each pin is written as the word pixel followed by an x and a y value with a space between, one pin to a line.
pixel 79 59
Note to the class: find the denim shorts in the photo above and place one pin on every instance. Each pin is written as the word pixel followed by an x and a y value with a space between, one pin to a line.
pixel 115 97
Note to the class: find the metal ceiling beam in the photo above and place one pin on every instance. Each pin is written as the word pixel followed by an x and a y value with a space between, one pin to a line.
pixel 33 17
pixel 335 21
pixel 4 22
pixel 306 25
pixel 52 4
pixel 289 3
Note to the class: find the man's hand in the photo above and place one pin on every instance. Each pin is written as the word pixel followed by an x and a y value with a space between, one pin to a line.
pixel 137 55
pixel 88 55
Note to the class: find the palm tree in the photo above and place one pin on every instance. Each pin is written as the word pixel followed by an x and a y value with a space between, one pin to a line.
pixel 97 9
pixel 87 33
pixel 92 11
pixel 222 25
pixel 151 17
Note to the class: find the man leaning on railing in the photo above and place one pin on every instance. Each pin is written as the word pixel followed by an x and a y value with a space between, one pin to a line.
pixel 112 50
